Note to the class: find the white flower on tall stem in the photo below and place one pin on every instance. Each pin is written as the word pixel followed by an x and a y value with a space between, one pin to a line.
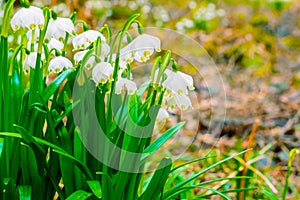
pixel 162 115
pixel 181 100
pixel 57 28
pixel 102 73
pixel 30 61
pixel 79 57
pixel 83 40
pixel 125 84
pixel 55 44
pixel 59 63
pixel 178 82
pixel 36 35
pixel 29 18
pixel 122 62
pixel 143 46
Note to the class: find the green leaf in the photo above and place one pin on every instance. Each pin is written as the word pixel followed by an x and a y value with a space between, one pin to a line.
pixel 66 113
pixel 24 192
pixel 28 138
pixel 158 180
pixel 107 186
pixel 179 185
pixel 56 149
pixel 190 162
pixel 96 188
pixel 269 194
pixel 216 192
pixel 155 145
pixel 54 85
pixel 1 145
pixel 79 195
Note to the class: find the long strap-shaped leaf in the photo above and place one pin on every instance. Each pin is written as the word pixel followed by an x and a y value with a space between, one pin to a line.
pixel 179 185
pixel 54 85
pixel 158 180
pixel 55 149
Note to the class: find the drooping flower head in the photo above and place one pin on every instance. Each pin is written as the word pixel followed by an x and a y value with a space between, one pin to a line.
pixel 29 18
pixel 141 48
pixel 178 82
pixel 57 28
pixel 30 61
pixel 55 44
pixel 162 115
pixel 83 40
pixel 58 64
pixel 79 57
pixel 102 73
pixel 182 101
pixel 125 84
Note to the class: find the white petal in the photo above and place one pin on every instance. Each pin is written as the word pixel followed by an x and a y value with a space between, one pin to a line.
pixel 29 18
pixel 162 115
pixel 30 61
pixel 180 100
pixel 125 84
pixel 178 82
pixel 102 72
pixel 83 40
pixel 59 63
pixel 55 44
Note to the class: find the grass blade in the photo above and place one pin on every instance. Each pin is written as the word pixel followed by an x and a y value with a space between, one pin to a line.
pixel 24 192
pixel 158 180
pixel 96 188
pixel 79 195
pixel 176 187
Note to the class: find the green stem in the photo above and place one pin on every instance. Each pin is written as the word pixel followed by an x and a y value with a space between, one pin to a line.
pixel 119 37
pixel 292 153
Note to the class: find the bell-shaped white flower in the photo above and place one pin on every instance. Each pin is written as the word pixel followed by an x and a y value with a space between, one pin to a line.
pixel 181 100
pixel 126 54
pixel 162 115
pixel 59 63
pixel 36 35
pixel 178 82
pixel 29 18
pixel 83 40
pixel 125 84
pixel 55 44
pixel 105 49
pixel 59 27
pixel 30 61
pixel 80 55
pixel 143 46
pixel 122 62
pixel 102 73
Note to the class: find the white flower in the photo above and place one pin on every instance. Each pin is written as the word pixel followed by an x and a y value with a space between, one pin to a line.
pixel 178 82
pixel 162 115
pixel 29 18
pixel 105 49
pixel 144 46
pixel 102 72
pixel 83 40
pixel 80 55
pixel 55 44
pixel 180 100
pixel 59 27
pixel 36 35
pixel 59 63
pixel 30 61
pixel 125 84
pixel 122 62
pixel 126 55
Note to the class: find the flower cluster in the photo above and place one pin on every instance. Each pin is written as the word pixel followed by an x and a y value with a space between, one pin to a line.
pixel 95 54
